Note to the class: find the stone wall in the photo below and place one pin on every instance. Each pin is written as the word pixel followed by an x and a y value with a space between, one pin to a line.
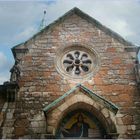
pixel 40 83
pixel 2 101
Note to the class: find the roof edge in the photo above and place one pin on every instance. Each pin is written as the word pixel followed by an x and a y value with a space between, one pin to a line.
pixel 103 27
pixel 111 106
pixel 94 96
pixel 55 102
pixel 87 17
pixel 48 26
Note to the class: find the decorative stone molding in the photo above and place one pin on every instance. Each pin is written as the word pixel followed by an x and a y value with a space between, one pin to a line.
pixel 15 71
pixel 77 62
pixel 79 100
pixel 109 105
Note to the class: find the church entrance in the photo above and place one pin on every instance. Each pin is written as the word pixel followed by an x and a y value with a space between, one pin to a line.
pixel 80 124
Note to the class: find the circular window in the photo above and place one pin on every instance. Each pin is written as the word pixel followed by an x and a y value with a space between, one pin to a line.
pixel 76 62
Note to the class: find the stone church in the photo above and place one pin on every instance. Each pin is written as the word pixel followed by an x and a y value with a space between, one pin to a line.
pixel 75 78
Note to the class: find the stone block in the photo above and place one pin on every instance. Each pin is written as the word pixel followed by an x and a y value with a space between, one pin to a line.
pixel 38 130
pixel 50 129
pixel 72 100
pixel 25 137
pixel 111 50
pixel 1 117
pixel 127 120
pixel 7 130
pixel 19 131
pixel 46 94
pixel 79 97
pixel 133 127
pixel 9 115
pixel 129 127
pixel 97 106
pixel 114 98
pixel 91 82
pixel 124 97
pixel 42 124
pixel 39 117
pixel 98 81
pixel 56 112
pixel 34 124
pixel 119 115
pixel 105 112
pixel 9 136
pixel 9 123
pixel 51 122
pixel 119 121
pixel 63 106
pixel 122 129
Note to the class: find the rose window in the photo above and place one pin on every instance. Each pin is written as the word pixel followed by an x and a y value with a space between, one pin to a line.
pixel 77 62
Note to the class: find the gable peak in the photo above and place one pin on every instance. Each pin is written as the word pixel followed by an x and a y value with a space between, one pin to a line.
pixel 90 19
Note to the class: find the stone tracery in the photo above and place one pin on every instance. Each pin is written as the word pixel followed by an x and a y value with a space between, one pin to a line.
pixel 77 62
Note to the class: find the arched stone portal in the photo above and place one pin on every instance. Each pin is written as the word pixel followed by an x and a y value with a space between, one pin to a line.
pixel 100 115
pixel 81 124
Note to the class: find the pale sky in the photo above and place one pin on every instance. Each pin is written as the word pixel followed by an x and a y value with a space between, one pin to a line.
pixel 20 20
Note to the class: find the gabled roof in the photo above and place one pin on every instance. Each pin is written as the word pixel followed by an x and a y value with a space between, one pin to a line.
pixel 112 107
pixel 86 17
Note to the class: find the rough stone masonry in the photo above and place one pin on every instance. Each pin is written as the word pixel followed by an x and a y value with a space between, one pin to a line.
pixel 35 82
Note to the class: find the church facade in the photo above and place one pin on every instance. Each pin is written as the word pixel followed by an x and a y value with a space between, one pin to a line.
pixel 74 79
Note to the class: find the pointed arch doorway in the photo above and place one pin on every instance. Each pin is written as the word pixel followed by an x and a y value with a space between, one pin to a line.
pixel 80 124
pixel 80 113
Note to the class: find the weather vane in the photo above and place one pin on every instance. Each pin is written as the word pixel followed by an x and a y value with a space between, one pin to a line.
pixel 43 21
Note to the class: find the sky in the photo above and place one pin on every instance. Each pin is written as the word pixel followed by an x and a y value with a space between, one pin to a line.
pixel 20 20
